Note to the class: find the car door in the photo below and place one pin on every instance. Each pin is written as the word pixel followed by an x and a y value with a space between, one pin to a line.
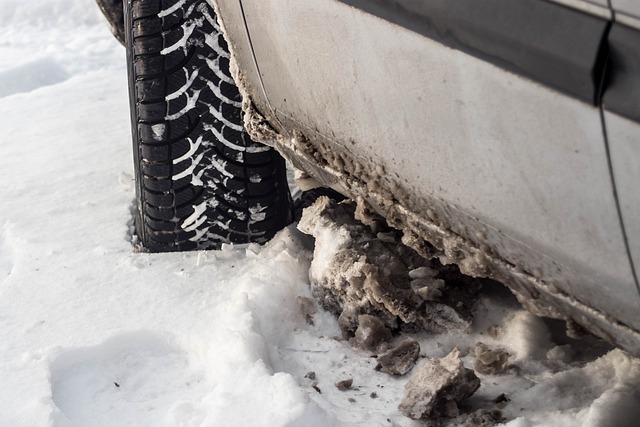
pixel 484 114
pixel 622 117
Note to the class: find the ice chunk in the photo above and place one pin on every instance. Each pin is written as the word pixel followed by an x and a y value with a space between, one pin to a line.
pixel 490 361
pixel 371 333
pixel 307 308
pixel 344 384
pixel 436 387
pixel 354 272
pixel 481 418
pixel 158 131
pixel 400 359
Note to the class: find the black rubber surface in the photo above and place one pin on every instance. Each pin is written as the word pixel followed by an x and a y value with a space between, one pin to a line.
pixel 201 181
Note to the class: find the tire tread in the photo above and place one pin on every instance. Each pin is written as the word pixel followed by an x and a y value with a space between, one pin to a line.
pixel 200 175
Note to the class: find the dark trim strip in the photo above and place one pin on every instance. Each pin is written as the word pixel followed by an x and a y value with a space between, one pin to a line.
pixel 544 41
pixel 622 94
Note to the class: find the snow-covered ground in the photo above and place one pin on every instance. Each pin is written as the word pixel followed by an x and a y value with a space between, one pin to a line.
pixel 93 333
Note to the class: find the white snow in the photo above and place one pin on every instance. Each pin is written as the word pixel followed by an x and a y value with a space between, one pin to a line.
pixel 190 105
pixel 193 147
pixel 158 131
pixel 93 333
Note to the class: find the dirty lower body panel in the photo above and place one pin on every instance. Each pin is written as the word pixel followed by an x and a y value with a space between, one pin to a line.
pixel 433 227
pixel 427 228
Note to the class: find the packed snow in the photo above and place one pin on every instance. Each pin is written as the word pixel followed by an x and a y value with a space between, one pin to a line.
pixel 94 332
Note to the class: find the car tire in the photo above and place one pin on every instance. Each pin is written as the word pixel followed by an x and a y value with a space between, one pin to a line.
pixel 200 180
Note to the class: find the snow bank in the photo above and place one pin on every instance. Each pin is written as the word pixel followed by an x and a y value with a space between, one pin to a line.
pixel 93 333
pixel 30 76
pixel 70 35
pixel 49 13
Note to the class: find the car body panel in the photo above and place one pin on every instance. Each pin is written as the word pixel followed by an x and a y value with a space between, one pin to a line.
pixel 602 3
pixel 622 94
pixel 458 146
pixel 624 141
pixel 628 7
pixel 543 41
pixel 593 7
pixel 621 103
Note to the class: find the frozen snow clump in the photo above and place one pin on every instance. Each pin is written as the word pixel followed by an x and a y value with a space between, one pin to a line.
pixel 355 272
pixel 490 361
pixel 371 333
pixel 436 387
pixel 400 359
